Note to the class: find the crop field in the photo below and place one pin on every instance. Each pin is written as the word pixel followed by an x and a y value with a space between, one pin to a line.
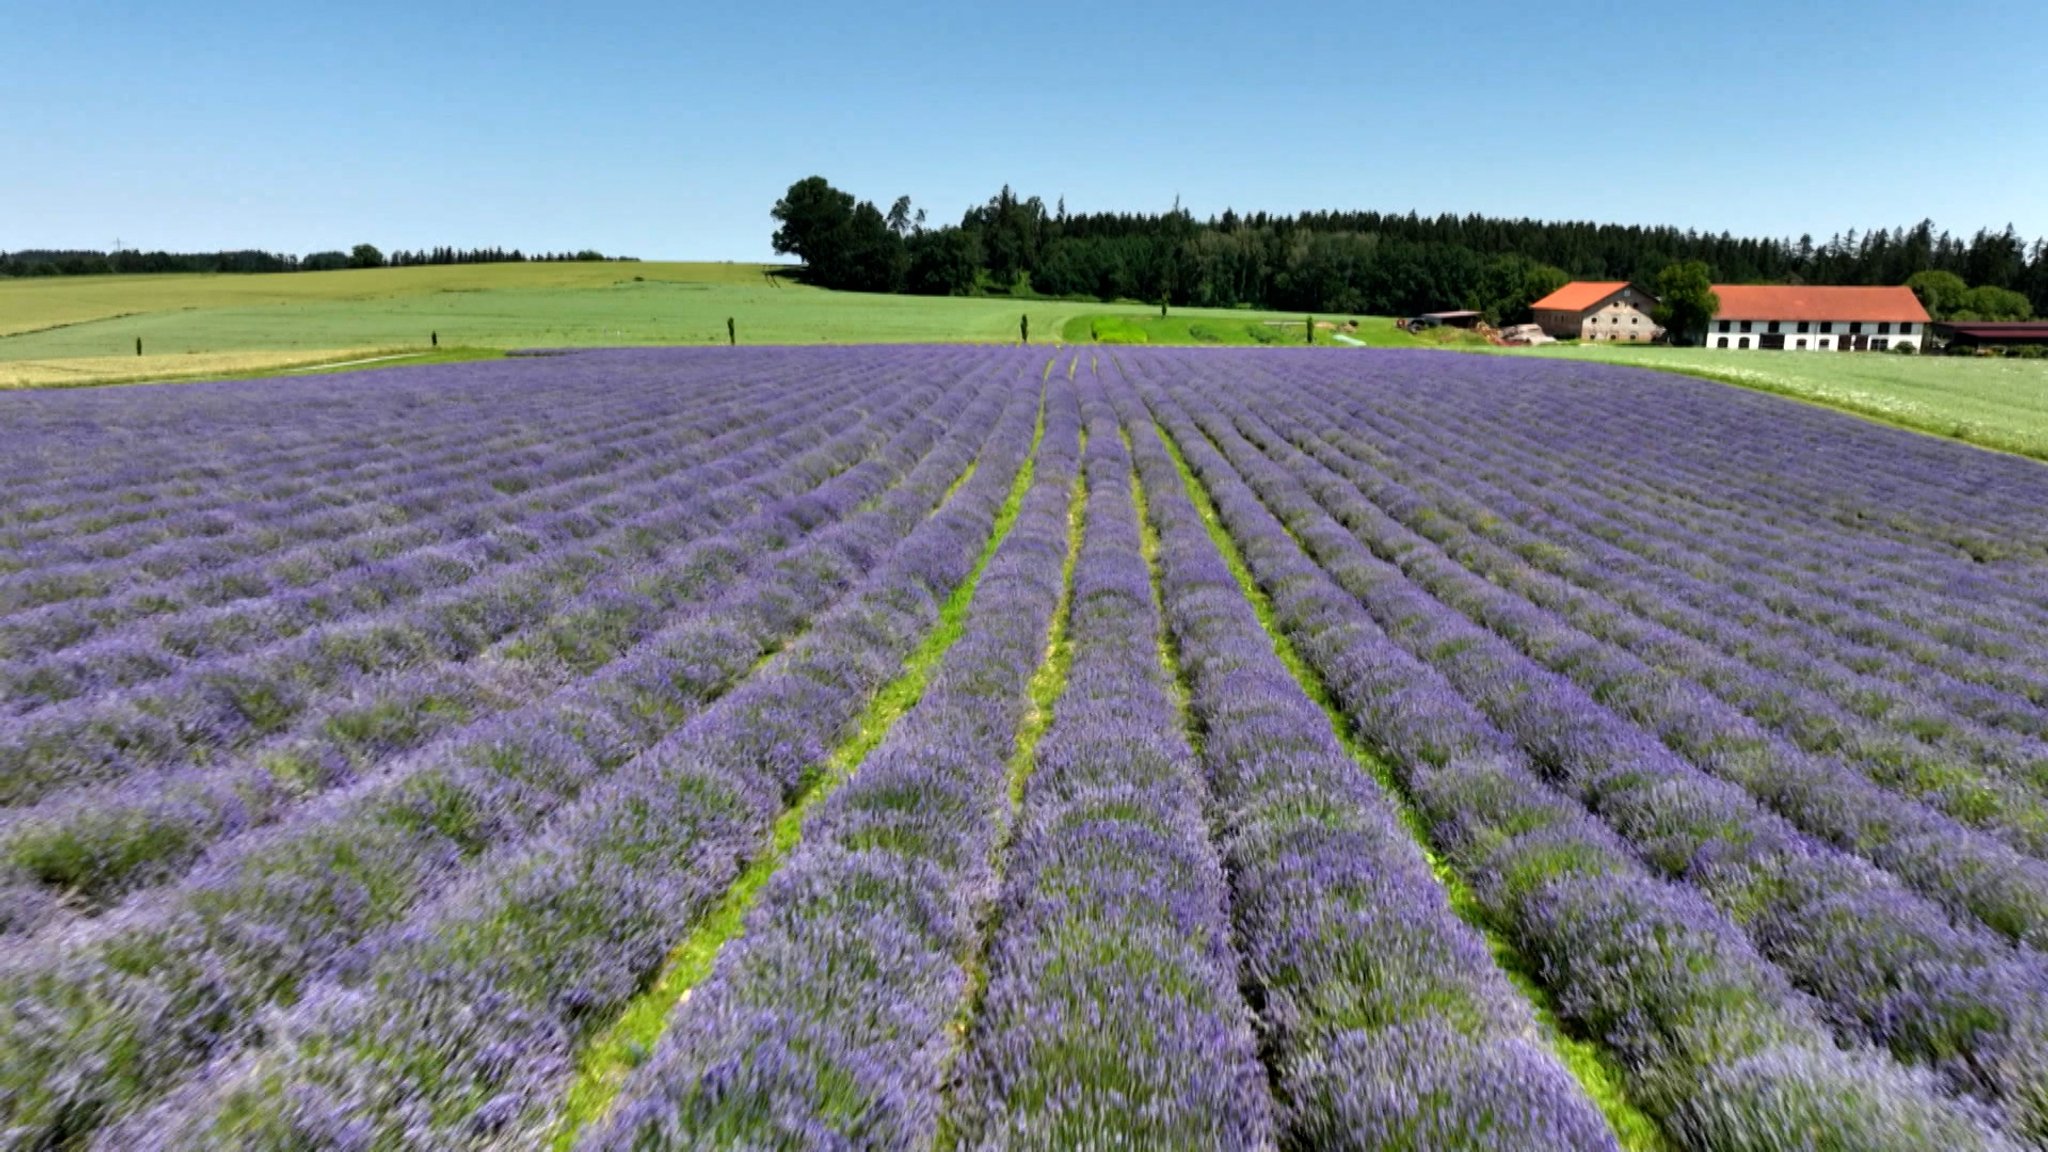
pixel 998 747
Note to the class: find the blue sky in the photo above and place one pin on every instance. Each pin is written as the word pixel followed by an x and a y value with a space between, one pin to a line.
pixel 667 130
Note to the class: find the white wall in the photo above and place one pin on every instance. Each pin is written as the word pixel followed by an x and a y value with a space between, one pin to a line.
pixel 1816 339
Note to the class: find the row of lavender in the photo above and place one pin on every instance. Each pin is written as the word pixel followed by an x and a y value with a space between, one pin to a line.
pixel 211 534
pixel 1200 919
pixel 461 1025
pixel 1384 1016
pixel 1948 995
pixel 829 1020
pixel 1110 1016
pixel 100 1018
pixel 1431 685
pixel 1112 1012
pixel 97 840
pixel 1772 727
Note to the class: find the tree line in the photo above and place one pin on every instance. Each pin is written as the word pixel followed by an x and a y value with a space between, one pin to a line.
pixel 127 262
pixel 1365 263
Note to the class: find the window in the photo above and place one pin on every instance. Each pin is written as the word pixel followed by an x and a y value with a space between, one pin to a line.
pixel 1724 328
pixel 1880 344
pixel 1745 342
pixel 1775 327
pixel 1802 344
pixel 1724 341
pixel 1856 328
pixel 1827 327
pixel 1805 326
pixel 1906 329
pixel 1635 319
pixel 1746 326
pixel 1884 328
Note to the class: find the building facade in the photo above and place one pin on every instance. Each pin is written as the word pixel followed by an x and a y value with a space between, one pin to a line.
pixel 1598 311
pixel 1816 319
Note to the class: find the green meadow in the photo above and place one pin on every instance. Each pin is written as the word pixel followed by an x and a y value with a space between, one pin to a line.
pixel 81 330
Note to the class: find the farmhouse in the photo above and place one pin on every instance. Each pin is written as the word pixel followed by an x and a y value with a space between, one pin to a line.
pixel 1820 319
pixel 1594 310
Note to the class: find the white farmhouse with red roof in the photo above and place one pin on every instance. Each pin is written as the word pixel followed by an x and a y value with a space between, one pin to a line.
pixel 1816 319
pixel 1593 310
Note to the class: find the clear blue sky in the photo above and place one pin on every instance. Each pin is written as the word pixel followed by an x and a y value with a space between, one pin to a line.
pixel 667 130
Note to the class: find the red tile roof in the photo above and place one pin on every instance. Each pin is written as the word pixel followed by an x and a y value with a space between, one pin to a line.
pixel 1808 302
pixel 1579 295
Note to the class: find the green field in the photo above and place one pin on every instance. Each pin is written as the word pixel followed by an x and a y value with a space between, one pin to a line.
pixel 2000 404
pixel 75 330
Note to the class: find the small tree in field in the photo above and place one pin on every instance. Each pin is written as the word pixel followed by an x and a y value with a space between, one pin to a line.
pixel 365 256
pixel 1685 299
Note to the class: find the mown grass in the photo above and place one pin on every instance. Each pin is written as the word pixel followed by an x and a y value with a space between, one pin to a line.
pixel 94 371
pixel 1593 1066
pixel 613 1054
pixel 1997 404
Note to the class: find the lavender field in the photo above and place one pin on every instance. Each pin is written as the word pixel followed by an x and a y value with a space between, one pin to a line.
pixel 1001 747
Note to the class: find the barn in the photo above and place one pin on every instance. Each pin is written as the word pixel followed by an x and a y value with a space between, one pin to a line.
pixel 1985 334
pixel 1816 318
pixel 1598 310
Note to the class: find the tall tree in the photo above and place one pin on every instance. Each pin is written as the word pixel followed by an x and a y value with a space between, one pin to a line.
pixel 899 216
pixel 1685 299
pixel 1941 293
pixel 816 227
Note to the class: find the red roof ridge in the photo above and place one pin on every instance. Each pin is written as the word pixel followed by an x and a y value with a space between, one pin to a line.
pixel 1580 295
pixel 1819 302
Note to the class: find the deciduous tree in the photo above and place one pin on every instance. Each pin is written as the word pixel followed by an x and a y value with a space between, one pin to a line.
pixel 1685 299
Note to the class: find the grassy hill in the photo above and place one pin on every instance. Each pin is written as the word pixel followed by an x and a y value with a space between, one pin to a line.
pixel 76 330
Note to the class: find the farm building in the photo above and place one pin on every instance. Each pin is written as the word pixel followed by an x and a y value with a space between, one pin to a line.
pixel 1595 310
pixel 1821 319
pixel 1462 319
pixel 1977 334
